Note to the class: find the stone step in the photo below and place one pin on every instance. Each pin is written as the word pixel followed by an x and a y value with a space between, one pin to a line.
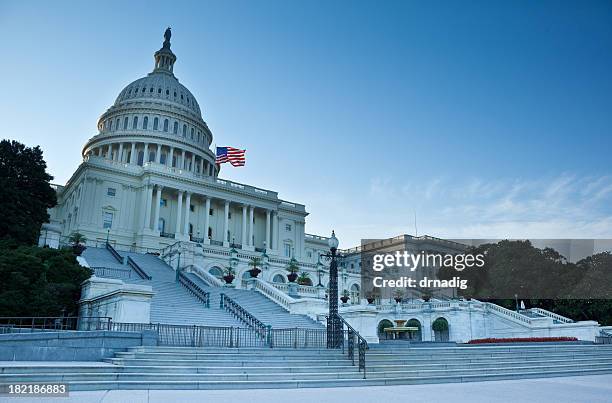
pixel 321 383
pixel 234 363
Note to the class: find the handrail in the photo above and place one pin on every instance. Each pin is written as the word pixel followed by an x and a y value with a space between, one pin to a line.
pixel 553 315
pixel 113 252
pixel 195 289
pixel 206 276
pixel 245 316
pixel 362 345
pixel 274 294
pixel 112 272
pixel 54 323
pixel 508 313
pixel 137 269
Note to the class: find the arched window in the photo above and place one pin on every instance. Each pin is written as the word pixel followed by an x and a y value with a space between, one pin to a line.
pixel 117 124
pixel 175 128
pixel 184 130
pixel 110 125
pixel 125 123
pixel 165 125
pixel 163 158
pixel 140 158
pixel 215 271
pixel 161 225
pixel 145 123
pixel 355 297
pixel 135 122
pixel 155 123
pixel 192 133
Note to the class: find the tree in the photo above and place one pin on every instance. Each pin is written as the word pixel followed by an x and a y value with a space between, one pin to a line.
pixel 39 281
pixel 26 191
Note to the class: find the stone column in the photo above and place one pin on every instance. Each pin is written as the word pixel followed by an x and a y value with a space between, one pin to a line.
pixel 182 166
pixel 109 151
pixel 100 151
pixel 170 157
pixel 120 156
pixel 207 220
pixel 158 154
pixel 157 206
pixel 187 211
pixel 275 229
pixel 193 167
pixel 145 156
pixel 178 212
pixel 243 240
pixel 133 154
pixel 149 196
pixel 268 245
pixel 226 223
pixel 201 166
pixel 251 214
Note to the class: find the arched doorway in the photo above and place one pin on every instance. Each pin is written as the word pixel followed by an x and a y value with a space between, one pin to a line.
pixel 355 297
pixel 418 335
pixel 217 272
pixel 278 278
pixel 440 329
pixel 382 325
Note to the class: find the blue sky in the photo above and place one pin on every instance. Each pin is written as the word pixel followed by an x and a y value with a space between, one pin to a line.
pixel 486 118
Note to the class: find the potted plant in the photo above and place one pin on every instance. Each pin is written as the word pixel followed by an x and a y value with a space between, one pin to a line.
pixel 229 274
pixel 345 296
pixel 370 299
pixel 254 263
pixel 426 295
pixel 398 296
pixel 76 243
pixel 304 279
pixel 293 269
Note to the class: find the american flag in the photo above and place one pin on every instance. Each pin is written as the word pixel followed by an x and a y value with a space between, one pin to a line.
pixel 234 156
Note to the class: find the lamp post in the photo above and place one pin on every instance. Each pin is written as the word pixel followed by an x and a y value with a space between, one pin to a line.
pixel 334 325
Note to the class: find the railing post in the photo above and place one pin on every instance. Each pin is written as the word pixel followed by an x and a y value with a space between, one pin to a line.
pixel 269 336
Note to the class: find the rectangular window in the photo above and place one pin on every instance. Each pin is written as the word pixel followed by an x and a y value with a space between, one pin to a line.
pixel 191 208
pixel 229 215
pixel 163 202
pixel 287 250
pixel 108 220
pixel 210 212
pixel 287 227
pixel 111 192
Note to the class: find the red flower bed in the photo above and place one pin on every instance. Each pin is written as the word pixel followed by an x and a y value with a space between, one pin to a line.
pixel 522 340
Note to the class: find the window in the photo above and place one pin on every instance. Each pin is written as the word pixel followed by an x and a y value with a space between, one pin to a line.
pixel 278 278
pixel 175 128
pixel 135 122
pixel 167 92
pixel 151 90
pixel 309 254
pixel 145 123
pixel 165 125
pixel 151 156
pixel 287 249
pixel 210 212
pixel 229 215
pixel 163 202
pixel 163 158
pixel 190 229
pixel 155 123
pixel 107 220
pixel 191 208
pixel 159 90
pixel 125 123
pixel 287 227
pixel 111 192
pixel 117 124
pixel 192 133
pixel 161 225
pixel 209 232
pixel 184 130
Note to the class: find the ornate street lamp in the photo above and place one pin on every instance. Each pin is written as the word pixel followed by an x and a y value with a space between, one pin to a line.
pixel 334 325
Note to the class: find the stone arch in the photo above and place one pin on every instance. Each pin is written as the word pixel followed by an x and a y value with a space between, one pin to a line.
pixel 279 278
pixel 383 324
pixel 415 336
pixel 441 329
pixel 355 293
pixel 216 271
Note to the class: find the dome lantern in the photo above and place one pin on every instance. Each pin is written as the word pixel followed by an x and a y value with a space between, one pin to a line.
pixel 164 58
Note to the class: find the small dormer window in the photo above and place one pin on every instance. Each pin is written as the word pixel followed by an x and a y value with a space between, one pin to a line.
pixel 167 92
pixel 159 90
pixel 174 94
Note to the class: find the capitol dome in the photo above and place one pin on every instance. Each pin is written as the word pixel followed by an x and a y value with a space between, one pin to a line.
pixel 158 110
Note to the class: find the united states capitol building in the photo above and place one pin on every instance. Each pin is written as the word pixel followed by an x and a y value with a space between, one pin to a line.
pixel 162 227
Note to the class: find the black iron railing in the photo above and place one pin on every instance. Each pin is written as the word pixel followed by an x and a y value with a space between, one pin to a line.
pixel 166 235
pixel 23 324
pixel 143 274
pixel 113 252
pixel 605 337
pixel 194 289
pixel 261 329
pixel 352 337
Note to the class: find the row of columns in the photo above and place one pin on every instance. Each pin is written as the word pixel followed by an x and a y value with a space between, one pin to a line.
pixel 192 163
pixel 248 212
